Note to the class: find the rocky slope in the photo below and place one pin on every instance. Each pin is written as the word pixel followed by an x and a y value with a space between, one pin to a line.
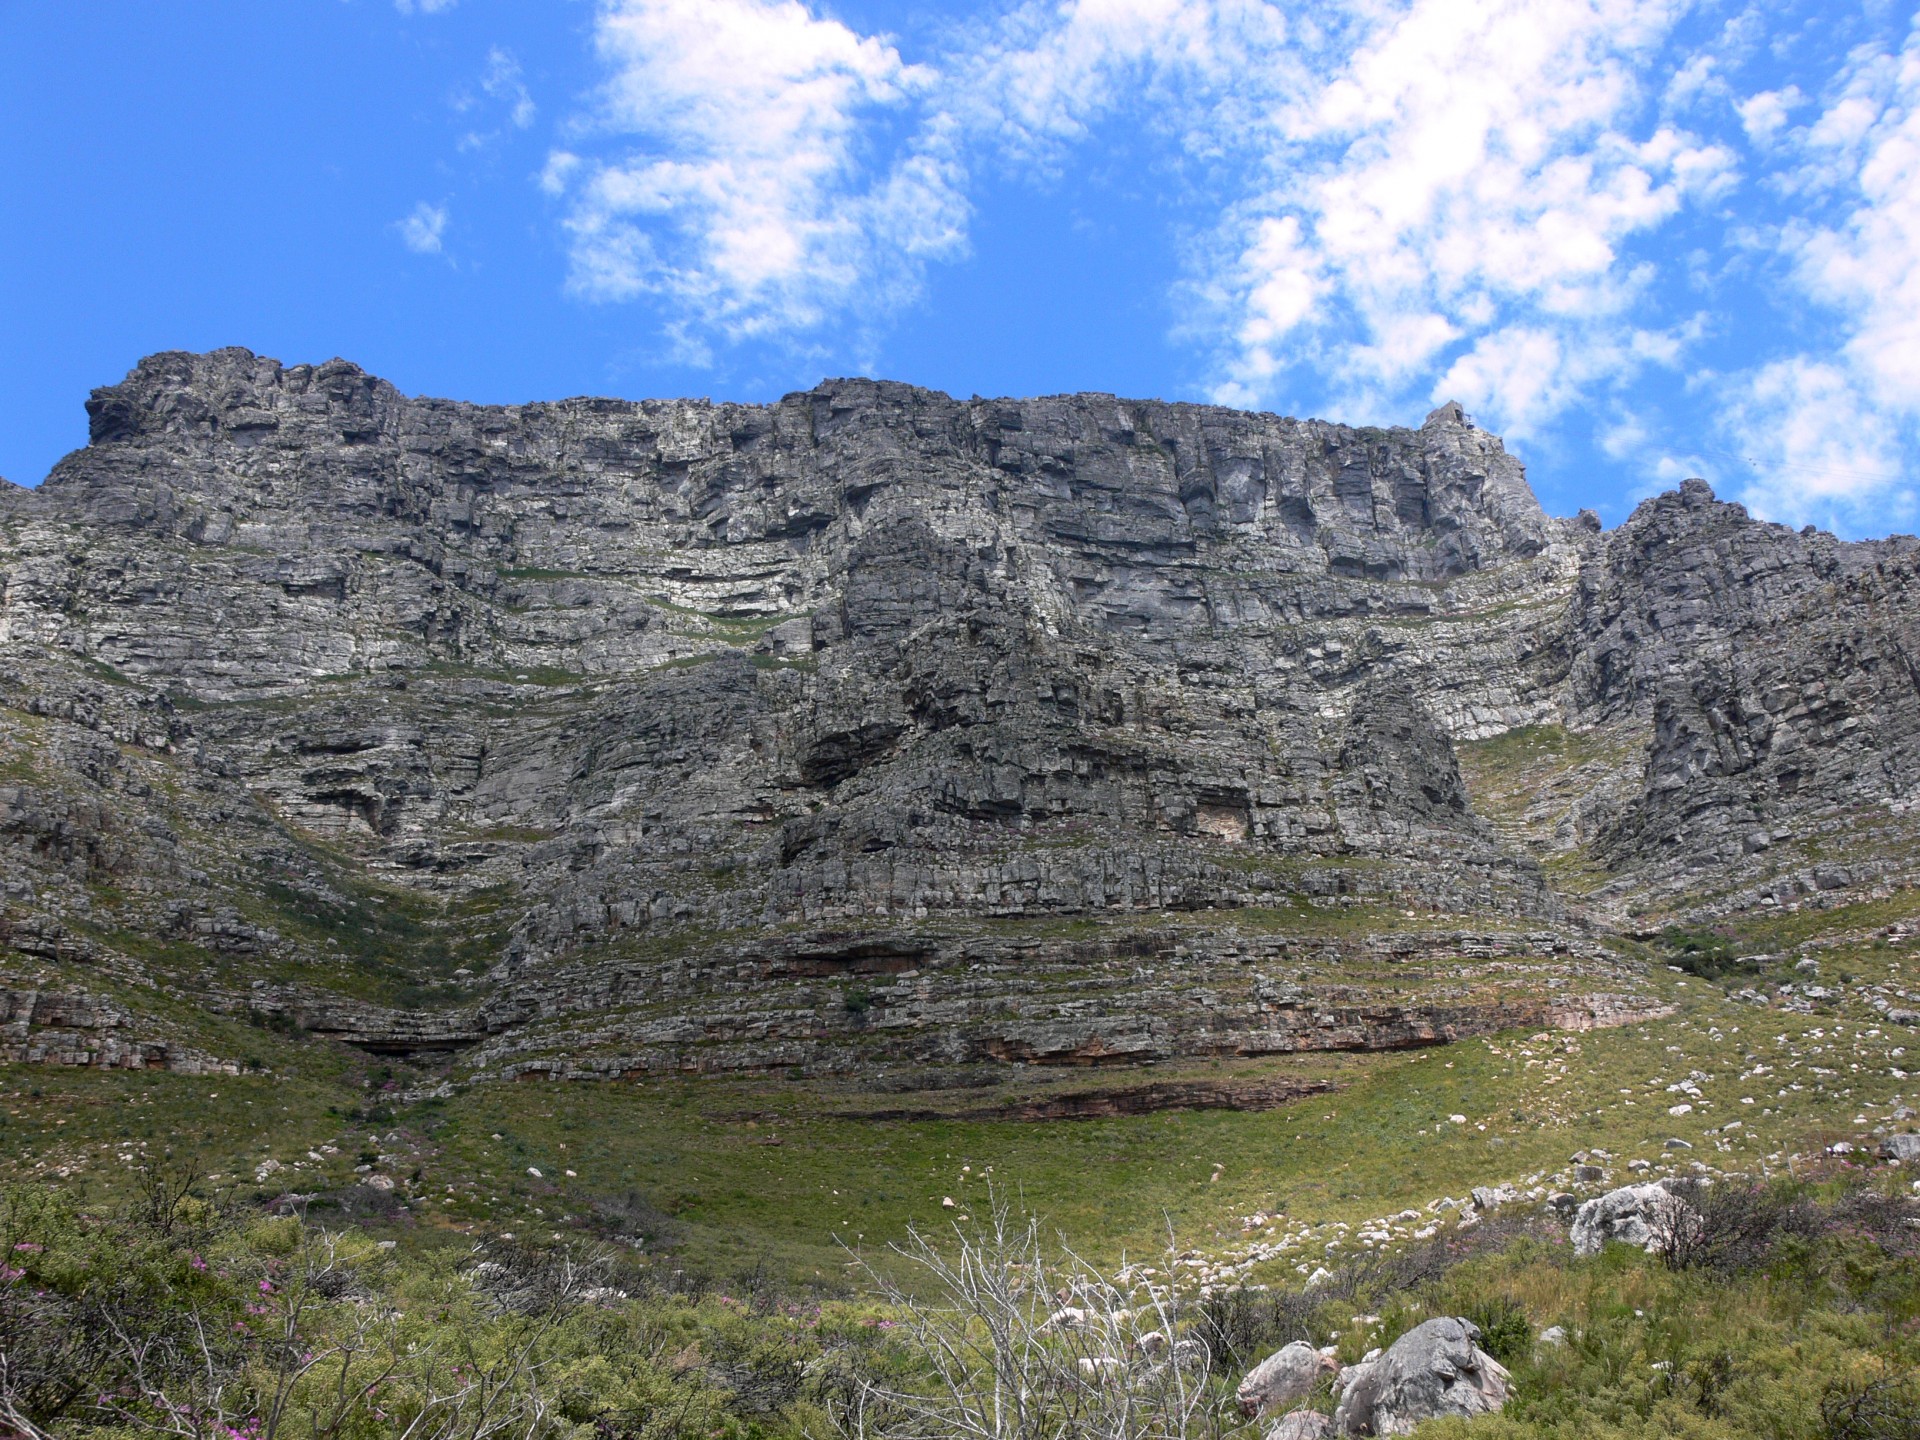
pixel 874 728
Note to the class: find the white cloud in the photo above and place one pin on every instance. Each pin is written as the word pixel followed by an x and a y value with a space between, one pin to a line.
pixel 1868 266
pixel 502 94
pixel 1626 436
pixel 1819 448
pixel 423 7
pixel 1467 175
pixel 1197 67
pixel 422 231
pixel 1279 287
pixel 1523 371
pixel 749 198
pixel 1764 115
pixel 1428 185
pixel 504 82
pixel 558 171
pixel 1829 431
pixel 1391 201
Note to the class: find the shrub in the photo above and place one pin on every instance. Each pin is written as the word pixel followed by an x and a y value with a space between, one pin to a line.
pixel 1505 1332
pixel 1240 1327
pixel 184 1317
pixel 1871 1410
pixel 1735 1228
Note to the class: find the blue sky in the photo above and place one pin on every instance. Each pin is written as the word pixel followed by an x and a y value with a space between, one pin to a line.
pixel 1643 239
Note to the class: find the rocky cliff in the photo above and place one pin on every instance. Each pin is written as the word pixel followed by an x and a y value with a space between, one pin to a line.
pixel 878 728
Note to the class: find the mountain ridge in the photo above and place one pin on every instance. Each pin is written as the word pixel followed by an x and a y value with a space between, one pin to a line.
pixel 693 734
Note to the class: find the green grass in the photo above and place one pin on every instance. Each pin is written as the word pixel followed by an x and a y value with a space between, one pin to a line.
pixel 696 1149
pixel 55 1119
pixel 545 676
pixel 1511 774
pixel 702 1151
pixel 1782 1341
pixel 531 573
pixel 1655 1353
pixel 684 1167
pixel 512 834
pixel 100 670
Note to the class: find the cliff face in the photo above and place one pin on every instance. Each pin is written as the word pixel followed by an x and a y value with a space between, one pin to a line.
pixel 611 715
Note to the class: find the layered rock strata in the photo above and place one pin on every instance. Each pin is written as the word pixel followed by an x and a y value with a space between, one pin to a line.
pixel 571 735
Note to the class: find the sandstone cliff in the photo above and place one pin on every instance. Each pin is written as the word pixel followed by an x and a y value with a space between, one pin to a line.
pixel 874 727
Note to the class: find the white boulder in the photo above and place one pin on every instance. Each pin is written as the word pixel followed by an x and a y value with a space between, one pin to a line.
pixel 1648 1216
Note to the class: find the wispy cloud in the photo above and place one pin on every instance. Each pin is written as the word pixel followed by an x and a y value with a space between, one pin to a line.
pixel 1198 70
pixel 501 100
pixel 424 7
pixel 1819 447
pixel 1454 200
pixel 504 82
pixel 747 192
pixel 1384 202
pixel 1434 188
pixel 424 230
pixel 1829 431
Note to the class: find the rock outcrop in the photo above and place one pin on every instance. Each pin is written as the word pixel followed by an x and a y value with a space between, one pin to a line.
pixel 1283 1379
pixel 1437 1368
pixel 1301 1425
pixel 874 727
pixel 1646 1216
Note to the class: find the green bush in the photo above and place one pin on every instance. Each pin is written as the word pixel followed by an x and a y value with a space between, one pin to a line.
pixel 180 1315
pixel 1505 1332
pixel 185 1317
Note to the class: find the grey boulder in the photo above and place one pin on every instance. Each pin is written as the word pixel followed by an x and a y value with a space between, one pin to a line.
pixel 1284 1378
pixel 1901 1147
pixel 1301 1425
pixel 1648 1216
pixel 1436 1368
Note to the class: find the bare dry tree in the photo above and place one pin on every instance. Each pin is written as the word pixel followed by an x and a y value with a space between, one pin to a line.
pixel 1016 1343
pixel 161 1184
pixel 15 1423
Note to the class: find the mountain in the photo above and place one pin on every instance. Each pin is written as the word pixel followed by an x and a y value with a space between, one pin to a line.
pixel 874 730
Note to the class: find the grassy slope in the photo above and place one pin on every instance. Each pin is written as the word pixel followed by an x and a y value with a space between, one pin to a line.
pixel 692 1168
pixel 694 1161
